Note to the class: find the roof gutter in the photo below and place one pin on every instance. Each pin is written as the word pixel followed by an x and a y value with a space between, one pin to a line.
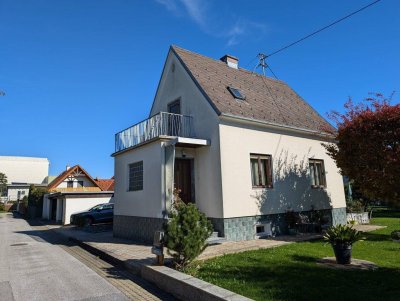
pixel 231 117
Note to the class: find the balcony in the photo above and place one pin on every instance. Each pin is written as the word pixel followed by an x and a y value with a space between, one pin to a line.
pixel 161 124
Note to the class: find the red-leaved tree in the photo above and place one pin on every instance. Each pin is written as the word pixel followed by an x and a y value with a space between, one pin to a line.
pixel 367 147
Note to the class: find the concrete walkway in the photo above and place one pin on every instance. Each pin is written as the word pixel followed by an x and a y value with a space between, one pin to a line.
pixel 137 254
pixel 230 247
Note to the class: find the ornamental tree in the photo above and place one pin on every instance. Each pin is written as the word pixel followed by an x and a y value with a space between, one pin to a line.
pixel 367 147
pixel 186 233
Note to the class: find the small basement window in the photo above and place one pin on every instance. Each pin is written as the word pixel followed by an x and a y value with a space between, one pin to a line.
pixel 236 93
pixel 260 229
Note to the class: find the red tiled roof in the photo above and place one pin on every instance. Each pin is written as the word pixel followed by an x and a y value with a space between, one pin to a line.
pixel 267 99
pixel 105 184
pixel 62 176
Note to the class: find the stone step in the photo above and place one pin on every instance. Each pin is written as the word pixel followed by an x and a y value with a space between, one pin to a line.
pixel 215 240
pixel 214 234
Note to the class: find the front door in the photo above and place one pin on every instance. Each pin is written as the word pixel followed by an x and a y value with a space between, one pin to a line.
pixel 183 179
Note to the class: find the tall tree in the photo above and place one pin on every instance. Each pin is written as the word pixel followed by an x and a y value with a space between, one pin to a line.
pixel 3 183
pixel 367 146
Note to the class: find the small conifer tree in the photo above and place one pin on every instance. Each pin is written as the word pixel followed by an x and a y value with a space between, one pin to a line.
pixel 186 233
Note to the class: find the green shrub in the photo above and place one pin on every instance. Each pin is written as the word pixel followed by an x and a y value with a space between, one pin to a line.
pixel 342 235
pixel 186 234
pixel 2 208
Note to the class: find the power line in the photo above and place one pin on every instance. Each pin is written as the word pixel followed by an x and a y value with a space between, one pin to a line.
pixel 273 73
pixel 323 28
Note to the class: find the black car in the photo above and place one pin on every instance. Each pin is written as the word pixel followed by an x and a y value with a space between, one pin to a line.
pixel 102 213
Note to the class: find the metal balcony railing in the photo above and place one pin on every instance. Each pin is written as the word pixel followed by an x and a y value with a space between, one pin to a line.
pixel 161 124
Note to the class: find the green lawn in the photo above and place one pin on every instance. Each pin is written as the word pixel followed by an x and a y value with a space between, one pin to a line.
pixel 291 273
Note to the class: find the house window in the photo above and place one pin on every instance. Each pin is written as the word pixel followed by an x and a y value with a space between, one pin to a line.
pixel 317 173
pixel 174 107
pixel 261 170
pixel 70 184
pixel 136 176
pixel 80 183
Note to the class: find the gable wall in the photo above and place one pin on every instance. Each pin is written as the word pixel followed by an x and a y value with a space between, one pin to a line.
pixel 86 182
pixel 178 85
pixel 290 190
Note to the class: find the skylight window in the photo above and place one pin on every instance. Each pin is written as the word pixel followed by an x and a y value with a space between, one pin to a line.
pixel 236 93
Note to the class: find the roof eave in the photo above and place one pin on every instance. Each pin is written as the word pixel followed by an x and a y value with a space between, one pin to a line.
pixel 276 125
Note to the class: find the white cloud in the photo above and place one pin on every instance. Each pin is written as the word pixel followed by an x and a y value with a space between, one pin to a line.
pixel 196 10
pixel 169 5
pixel 233 29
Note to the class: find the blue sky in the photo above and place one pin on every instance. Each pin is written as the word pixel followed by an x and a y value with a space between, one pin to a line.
pixel 76 72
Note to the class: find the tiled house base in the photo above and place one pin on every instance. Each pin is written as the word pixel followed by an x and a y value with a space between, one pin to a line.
pixel 236 229
pixel 137 228
pixel 243 228
pixel 339 216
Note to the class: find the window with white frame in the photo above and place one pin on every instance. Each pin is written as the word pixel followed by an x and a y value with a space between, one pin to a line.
pixel 317 173
pixel 136 176
pixel 261 171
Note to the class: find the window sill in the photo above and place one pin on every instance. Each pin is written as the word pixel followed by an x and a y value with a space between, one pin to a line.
pixel 262 187
pixel 318 187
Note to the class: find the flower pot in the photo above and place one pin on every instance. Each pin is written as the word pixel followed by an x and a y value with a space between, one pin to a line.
pixel 342 253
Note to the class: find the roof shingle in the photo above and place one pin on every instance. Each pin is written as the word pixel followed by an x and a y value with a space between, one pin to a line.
pixel 267 99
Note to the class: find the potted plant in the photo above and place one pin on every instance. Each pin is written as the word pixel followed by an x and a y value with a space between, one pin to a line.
pixel 342 237
pixel 395 235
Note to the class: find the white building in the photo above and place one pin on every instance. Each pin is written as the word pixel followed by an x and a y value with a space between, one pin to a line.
pixel 243 147
pixel 72 191
pixel 21 172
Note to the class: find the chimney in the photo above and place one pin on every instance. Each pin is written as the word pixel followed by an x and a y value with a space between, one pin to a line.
pixel 230 60
pixel 67 167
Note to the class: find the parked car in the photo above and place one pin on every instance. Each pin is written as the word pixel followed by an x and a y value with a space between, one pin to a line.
pixel 102 213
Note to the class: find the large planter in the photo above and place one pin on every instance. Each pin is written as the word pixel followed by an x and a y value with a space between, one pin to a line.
pixel 342 253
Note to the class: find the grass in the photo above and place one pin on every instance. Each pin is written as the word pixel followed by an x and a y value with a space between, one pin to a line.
pixel 290 272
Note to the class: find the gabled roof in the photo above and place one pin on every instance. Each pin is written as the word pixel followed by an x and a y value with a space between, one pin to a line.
pixel 71 171
pixel 267 99
pixel 105 184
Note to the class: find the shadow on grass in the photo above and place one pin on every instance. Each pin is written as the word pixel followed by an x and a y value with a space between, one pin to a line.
pixel 307 281
pixel 390 213
pixel 302 258
pixel 376 237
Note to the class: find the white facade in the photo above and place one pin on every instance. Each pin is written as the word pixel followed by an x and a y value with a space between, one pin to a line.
pixel 24 169
pixel 290 189
pixel 17 192
pixel 69 203
pixel 221 170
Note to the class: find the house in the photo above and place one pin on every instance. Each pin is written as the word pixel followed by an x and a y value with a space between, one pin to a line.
pixel 243 147
pixel 21 172
pixel 72 191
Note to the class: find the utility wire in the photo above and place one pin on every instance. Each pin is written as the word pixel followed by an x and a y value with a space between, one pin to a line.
pixel 323 28
pixel 269 67
pixel 275 101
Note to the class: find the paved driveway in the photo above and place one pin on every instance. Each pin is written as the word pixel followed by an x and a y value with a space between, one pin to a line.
pixel 32 267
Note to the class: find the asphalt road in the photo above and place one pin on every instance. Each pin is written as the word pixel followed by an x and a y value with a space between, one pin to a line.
pixel 38 264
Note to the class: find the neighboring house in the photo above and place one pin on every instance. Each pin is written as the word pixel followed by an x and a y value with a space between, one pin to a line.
pixel 243 147
pixel 21 172
pixel 72 191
